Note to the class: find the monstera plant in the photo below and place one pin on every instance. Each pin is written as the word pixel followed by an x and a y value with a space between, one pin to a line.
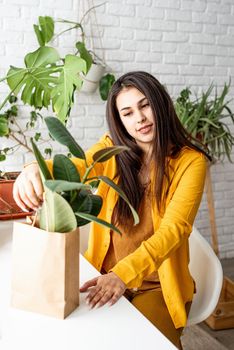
pixel 49 79
pixel 67 194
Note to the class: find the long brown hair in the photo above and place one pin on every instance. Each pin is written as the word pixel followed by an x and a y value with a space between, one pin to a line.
pixel 170 138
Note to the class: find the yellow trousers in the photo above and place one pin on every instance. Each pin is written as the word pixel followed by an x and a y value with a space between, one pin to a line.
pixel 152 305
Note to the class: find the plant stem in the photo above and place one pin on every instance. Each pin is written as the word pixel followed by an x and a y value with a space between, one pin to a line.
pixel 21 143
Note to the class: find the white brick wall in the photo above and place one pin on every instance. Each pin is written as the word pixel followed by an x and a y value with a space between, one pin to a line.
pixel 182 42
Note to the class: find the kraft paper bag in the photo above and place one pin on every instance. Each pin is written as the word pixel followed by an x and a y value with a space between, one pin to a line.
pixel 45 270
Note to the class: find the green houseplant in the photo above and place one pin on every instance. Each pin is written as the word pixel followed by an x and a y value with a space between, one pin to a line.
pixel 52 247
pixel 206 119
pixel 49 79
pixel 66 191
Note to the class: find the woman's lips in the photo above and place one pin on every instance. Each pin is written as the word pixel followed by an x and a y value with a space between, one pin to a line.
pixel 145 129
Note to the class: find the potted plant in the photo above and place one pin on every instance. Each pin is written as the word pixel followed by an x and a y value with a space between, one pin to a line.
pixel 47 255
pixel 11 128
pixel 206 119
pixel 49 79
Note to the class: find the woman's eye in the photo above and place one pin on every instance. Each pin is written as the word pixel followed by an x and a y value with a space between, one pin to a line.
pixel 127 114
pixel 145 105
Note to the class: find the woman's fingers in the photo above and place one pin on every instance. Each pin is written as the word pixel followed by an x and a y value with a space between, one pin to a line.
pixel 106 289
pixel 88 284
pixel 28 188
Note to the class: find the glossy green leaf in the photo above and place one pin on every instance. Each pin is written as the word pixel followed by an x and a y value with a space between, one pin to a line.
pixel 41 162
pixel 56 215
pixel 37 79
pixel 122 195
pixel 108 152
pixel 4 130
pixel 69 80
pixel 105 85
pixel 62 186
pixel 60 133
pixel 84 54
pixel 86 202
pixel 64 169
pixel 98 221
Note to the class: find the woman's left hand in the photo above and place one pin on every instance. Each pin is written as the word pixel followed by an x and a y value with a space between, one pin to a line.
pixel 105 289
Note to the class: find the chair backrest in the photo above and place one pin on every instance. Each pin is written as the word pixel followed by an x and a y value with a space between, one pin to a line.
pixel 207 272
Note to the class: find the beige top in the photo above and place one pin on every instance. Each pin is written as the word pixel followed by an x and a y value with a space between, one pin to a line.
pixel 131 239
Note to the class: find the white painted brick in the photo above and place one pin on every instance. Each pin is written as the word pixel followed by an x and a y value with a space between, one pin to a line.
pixel 136 23
pixel 218 8
pixel 112 55
pixel 127 67
pixel 224 61
pixel 9 11
pixel 167 4
pixel 202 38
pixel 176 58
pixel 208 18
pixel 126 10
pixel 138 2
pixel 216 71
pixel 225 40
pixel 215 50
pixel 190 27
pixel 108 20
pixel 202 60
pixel 150 12
pixel 178 15
pixel 16 23
pixel 225 19
pixel 148 35
pixel 163 47
pixel 11 37
pixel 215 29
pixel 88 122
pixel 190 49
pixel 162 25
pixel 198 6
pixel 192 71
pixel 148 57
pixel 131 45
pixel 164 69
pixel 24 2
pixel 175 37
pixel 59 4
pixel 118 33
pixel 199 81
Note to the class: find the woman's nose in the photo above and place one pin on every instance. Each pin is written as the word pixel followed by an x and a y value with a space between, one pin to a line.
pixel 140 117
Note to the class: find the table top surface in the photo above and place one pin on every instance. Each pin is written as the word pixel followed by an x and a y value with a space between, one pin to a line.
pixel 115 327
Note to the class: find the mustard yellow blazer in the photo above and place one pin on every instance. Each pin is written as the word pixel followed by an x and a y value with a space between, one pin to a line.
pixel 166 251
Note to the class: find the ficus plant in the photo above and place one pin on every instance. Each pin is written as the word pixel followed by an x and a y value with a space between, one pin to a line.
pixel 206 118
pixel 68 194
pixel 49 79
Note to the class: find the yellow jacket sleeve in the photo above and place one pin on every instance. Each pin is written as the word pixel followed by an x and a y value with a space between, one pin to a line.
pixel 175 226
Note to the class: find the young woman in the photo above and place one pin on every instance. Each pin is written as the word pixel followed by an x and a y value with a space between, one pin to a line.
pixel 163 176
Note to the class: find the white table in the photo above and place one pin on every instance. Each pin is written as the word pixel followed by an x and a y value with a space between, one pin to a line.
pixel 120 326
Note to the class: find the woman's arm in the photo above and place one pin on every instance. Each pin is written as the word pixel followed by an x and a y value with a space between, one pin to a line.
pixel 176 225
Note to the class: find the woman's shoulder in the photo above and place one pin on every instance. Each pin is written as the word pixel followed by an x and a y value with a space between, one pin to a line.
pixel 187 156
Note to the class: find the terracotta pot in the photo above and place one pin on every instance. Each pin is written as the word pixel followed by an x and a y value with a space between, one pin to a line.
pixel 8 207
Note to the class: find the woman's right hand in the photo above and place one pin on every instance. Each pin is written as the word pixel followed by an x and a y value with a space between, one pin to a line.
pixel 28 189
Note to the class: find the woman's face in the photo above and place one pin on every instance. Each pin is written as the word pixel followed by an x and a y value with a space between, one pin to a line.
pixel 136 116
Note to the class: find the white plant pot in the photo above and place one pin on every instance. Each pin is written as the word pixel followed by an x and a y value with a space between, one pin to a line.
pixel 91 80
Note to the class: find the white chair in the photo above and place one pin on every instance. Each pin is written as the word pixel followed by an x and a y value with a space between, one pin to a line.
pixel 207 272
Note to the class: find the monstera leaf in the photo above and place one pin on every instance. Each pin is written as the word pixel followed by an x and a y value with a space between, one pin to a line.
pixel 69 80
pixel 37 79
pixel 45 30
